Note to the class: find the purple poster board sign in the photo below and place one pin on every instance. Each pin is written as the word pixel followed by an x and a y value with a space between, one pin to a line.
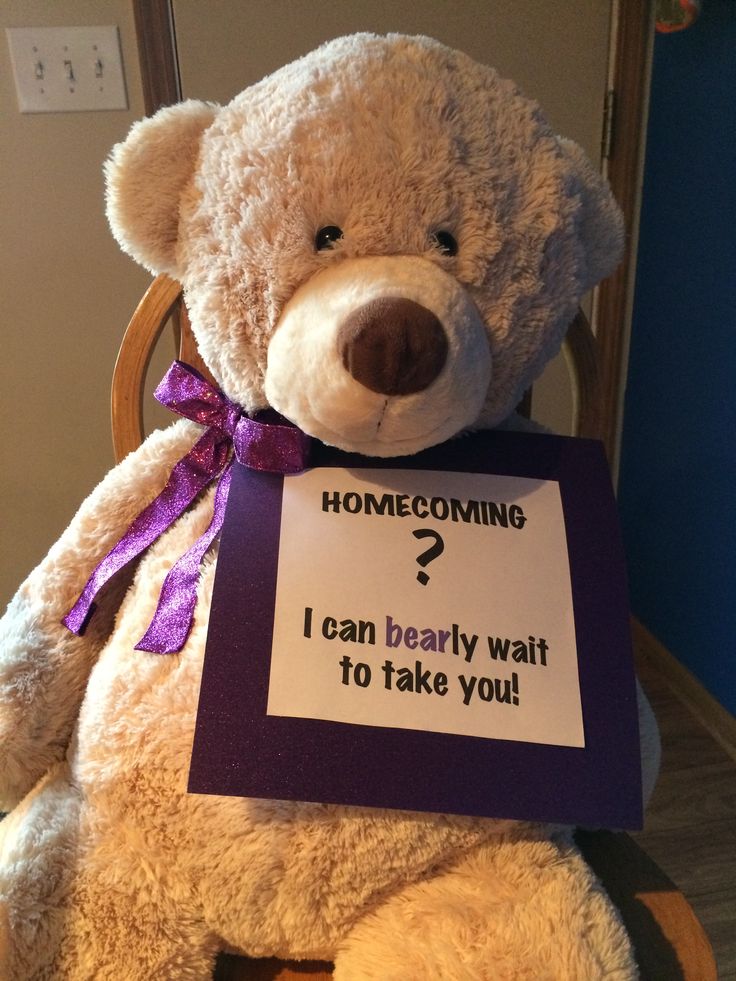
pixel 240 750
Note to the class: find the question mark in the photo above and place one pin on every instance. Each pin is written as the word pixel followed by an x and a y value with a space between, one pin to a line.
pixel 432 552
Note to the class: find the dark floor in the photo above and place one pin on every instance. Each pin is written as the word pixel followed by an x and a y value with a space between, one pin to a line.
pixel 690 828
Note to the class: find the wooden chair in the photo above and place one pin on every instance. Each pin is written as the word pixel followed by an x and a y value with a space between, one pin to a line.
pixel 670 943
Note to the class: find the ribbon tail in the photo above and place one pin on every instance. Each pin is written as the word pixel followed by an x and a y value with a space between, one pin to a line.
pixel 172 621
pixel 190 475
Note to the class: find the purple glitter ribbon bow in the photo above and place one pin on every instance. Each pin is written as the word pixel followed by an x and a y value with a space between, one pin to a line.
pixel 265 446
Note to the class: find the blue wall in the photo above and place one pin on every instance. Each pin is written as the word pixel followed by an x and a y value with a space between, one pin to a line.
pixel 678 471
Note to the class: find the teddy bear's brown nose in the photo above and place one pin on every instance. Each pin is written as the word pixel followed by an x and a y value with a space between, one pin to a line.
pixel 393 346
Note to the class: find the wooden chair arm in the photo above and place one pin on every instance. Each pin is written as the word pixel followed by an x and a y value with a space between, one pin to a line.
pixel 162 301
pixel 580 350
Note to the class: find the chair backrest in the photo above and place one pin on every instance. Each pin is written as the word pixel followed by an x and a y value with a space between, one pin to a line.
pixel 162 304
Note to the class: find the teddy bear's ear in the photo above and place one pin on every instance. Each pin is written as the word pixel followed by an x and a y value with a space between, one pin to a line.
pixel 600 222
pixel 145 176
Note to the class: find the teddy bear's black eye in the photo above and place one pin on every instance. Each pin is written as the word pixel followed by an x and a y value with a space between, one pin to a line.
pixel 326 237
pixel 445 243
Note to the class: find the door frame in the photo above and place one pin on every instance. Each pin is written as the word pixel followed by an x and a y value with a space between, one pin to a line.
pixel 632 38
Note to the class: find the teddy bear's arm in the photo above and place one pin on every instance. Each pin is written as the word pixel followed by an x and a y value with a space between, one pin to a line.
pixel 43 666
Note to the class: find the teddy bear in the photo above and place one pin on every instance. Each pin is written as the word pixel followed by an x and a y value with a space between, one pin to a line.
pixel 384 242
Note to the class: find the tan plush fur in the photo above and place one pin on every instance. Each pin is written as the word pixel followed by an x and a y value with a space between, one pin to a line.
pixel 108 868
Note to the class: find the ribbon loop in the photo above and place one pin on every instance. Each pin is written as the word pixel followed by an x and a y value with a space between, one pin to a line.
pixel 266 446
pixel 185 391
pixel 271 447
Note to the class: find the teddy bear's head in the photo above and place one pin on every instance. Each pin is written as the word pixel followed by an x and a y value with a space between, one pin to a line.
pixel 384 240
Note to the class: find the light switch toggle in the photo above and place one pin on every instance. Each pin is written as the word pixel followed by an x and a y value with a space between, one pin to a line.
pixel 67 69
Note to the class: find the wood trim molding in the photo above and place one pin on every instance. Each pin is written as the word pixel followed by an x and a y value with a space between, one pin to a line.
pixel 154 29
pixel 634 33
pixel 685 686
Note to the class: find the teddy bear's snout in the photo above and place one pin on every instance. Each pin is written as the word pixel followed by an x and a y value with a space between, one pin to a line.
pixel 393 346
pixel 380 355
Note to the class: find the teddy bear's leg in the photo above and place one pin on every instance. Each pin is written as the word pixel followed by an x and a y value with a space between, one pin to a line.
pixel 80 902
pixel 513 910
pixel 38 852
pixel 128 916
pixel 43 666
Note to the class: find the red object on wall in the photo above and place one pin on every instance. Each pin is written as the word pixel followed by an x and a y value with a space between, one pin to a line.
pixel 676 15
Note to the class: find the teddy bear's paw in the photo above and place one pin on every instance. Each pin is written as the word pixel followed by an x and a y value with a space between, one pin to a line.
pixel 122 938
pixel 515 911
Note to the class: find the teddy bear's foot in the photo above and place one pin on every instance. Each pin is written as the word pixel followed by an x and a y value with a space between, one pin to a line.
pixel 517 910
pixel 80 903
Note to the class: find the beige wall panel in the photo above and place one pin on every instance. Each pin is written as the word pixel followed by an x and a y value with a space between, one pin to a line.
pixel 66 292
pixel 555 50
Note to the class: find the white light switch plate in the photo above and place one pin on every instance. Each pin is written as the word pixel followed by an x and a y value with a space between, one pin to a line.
pixel 67 69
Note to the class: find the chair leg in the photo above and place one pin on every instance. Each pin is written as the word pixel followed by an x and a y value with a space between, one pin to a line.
pixel 670 943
